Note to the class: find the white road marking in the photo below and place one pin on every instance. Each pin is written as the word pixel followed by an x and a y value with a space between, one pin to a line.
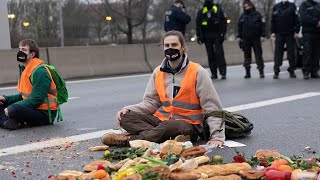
pixel 71 98
pixel 98 134
pixel 272 101
pixel 54 142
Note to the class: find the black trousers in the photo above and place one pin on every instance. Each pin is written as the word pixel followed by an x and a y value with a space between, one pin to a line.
pixel 216 57
pixel 281 40
pixel 255 44
pixel 24 114
pixel 311 53
pixel 150 128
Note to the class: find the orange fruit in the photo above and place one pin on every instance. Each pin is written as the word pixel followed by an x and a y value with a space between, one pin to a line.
pixel 285 168
pixel 296 171
pixel 100 174
pixel 279 162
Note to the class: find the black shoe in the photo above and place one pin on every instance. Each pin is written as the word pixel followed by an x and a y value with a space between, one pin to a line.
pixel 214 77
pixel 247 76
pixel 276 76
pixel 12 124
pixel 306 75
pixel 261 72
pixel 315 75
pixel 293 75
pixel 223 77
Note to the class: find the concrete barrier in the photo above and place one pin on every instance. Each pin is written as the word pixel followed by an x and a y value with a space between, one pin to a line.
pixel 9 70
pixel 197 53
pixel 76 62
pixel 81 62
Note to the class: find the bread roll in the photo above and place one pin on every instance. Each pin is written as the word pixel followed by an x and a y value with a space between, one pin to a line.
pixel 172 147
pixel 143 144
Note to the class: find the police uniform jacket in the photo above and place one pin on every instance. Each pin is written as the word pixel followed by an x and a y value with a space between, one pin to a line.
pixel 285 19
pixel 176 19
pixel 310 16
pixel 211 21
pixel 251 25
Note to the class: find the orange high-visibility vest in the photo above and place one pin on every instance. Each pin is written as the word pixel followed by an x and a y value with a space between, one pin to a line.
pixel 25 86
pixel 186 105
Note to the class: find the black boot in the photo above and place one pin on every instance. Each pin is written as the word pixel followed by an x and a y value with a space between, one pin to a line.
pixel 276 75
pixel 292 74
pixel 261 73
pixel 315 75
pixel 306 75
pixel 12 124
pixel 248 75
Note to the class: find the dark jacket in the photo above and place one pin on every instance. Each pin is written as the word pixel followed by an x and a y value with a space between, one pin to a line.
pixel 216 23
pixel 310 16
pixel 176 19
pixel 251 25
pixel 285 19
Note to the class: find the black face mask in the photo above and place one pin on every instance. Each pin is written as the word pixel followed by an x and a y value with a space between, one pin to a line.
pixel 22 57
pixel 172 54
pixel 248 10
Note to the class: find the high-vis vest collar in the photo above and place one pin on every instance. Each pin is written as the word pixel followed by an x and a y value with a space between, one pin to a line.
pixel 186 105
pixel 25 85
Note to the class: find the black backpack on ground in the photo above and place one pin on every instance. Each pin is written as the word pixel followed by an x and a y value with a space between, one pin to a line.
pixel 236 125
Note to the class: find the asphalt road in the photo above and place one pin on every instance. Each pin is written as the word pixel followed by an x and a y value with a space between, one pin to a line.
pixel 287 126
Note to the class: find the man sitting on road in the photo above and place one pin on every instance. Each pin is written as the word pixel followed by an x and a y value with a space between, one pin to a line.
pixel 178 95
pixel 30 106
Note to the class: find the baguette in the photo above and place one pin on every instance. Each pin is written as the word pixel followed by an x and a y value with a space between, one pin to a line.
pixel 210 171
pixel 98 148
pixel 229 177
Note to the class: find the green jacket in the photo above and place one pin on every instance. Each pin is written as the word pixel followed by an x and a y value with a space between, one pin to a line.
pixel 40 89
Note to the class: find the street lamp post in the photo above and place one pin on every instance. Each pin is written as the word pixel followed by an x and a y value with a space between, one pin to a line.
pixel 109 19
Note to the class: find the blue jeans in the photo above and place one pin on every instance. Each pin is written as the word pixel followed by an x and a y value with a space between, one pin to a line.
pixel 23 114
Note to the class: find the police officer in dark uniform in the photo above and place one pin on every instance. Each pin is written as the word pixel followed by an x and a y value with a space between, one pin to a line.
pixel 285 27
pixel 310 20
pixel 176 18
pixel 251 31
pixel 211 28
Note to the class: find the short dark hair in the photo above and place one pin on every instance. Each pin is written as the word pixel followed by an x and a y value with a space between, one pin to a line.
pixel 33 46
pixel 175 33
pixel 179 1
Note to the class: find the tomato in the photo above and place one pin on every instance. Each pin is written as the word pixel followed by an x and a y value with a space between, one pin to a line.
pixel 269 168
pixel 275 175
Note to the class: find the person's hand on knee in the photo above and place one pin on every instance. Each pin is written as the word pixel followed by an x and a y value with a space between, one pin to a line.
pixel 6 112
pixel 120 113
pixel 2 100
pixel 215 143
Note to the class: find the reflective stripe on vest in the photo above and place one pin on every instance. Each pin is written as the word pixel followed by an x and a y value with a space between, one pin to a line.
pixel 186 104
pixel 205 10
pixel 25 86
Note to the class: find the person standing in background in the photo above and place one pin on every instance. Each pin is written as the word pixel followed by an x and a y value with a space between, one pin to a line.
pixel 251 31
pixel 211 27
pixel 285 27
pixel 310 21
pixel 176 18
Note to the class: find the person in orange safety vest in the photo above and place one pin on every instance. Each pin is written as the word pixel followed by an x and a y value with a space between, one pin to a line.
pixel 178 95
pixel 30 106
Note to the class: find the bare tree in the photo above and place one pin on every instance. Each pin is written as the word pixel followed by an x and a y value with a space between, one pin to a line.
pixel 128 14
